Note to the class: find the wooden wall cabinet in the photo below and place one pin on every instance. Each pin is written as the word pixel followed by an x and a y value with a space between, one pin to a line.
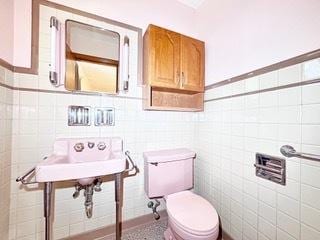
pixel 173 71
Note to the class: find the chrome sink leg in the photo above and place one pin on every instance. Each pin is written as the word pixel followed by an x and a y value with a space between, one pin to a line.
pixel 118 205
pixel 47 199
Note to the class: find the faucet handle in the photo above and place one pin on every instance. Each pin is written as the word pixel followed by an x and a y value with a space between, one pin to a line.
pixel 78 147
pixel 101 146
pixel 91 144
pixel 76 193
pixel 97 186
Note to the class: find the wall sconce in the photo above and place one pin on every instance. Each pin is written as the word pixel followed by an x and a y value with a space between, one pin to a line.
pixel 125 64
pixel 54 72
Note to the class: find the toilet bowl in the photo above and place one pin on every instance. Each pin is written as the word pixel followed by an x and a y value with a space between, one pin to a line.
pixel 190 217
pixel 169 174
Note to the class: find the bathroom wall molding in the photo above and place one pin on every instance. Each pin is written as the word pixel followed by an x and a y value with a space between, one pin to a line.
pixel 308 82
pixel 6 65
pixel 6 86
pixel 65 92
pixel 286 63
pixel 225 236
pixel 35 36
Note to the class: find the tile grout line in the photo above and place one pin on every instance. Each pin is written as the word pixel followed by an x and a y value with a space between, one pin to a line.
pixel 300 109
pixel 278 136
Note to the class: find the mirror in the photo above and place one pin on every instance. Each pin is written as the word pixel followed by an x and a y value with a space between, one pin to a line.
pixel 92 58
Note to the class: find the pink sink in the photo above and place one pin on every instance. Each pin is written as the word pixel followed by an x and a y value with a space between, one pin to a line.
pixel 82 159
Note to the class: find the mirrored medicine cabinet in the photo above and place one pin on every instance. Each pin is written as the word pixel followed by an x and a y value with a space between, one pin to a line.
pixel 92 58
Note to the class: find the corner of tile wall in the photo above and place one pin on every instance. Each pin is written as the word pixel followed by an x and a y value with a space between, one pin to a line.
pixel 6 99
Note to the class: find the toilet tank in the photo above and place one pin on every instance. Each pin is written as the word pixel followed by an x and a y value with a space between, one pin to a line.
pixel 168 171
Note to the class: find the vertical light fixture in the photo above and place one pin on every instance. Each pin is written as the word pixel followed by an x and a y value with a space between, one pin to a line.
pixel 125 64
pixel 54 72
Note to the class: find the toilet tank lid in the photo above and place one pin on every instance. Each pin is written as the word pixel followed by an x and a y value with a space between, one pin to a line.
pixel 168 155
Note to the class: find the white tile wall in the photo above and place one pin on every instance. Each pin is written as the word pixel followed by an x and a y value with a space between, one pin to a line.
pixel 33 138
pixel 229 134
pixel 6 98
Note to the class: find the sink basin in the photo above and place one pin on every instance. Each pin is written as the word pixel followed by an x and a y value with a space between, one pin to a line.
pixel 82 159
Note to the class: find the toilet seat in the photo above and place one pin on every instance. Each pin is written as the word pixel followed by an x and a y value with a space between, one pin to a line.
pixel 191 216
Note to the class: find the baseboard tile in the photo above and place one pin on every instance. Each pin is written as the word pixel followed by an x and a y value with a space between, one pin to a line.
pixel 110 230
pixel 226 236
pixel 129 225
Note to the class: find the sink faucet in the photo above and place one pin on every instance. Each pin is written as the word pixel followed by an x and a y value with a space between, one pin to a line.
pixel 78 147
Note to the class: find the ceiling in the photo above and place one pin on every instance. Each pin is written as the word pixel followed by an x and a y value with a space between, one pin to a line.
pixel 192 3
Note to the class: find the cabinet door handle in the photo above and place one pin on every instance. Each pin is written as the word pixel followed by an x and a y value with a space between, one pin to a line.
pixel 178 78
pixel 182 84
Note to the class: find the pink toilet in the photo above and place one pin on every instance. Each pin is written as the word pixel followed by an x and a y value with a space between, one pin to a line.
pixel 169 174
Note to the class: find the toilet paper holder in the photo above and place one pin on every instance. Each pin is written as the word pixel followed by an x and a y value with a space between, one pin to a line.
pixel 271 168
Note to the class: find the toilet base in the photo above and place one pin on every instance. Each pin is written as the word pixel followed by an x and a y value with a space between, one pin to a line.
pixel 168 235
pixel 175 233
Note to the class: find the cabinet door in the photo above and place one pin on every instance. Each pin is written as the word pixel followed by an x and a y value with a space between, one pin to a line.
pixel 192 64
pixel 165 50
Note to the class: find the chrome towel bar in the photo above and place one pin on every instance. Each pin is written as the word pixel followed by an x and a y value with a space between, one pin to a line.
pixel 24 178
pixel 133 165
pixel 289 151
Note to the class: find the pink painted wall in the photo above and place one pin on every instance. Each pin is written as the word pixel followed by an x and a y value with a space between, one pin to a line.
pixel 22 33
pixel 166 13
pixel 245 35
pixel 240 36
pixel 6 30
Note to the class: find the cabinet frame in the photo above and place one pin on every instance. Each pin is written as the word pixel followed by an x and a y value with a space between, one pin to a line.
pixel 171 82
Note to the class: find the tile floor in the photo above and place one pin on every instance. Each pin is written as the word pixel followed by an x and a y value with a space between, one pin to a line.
pixel 152 231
